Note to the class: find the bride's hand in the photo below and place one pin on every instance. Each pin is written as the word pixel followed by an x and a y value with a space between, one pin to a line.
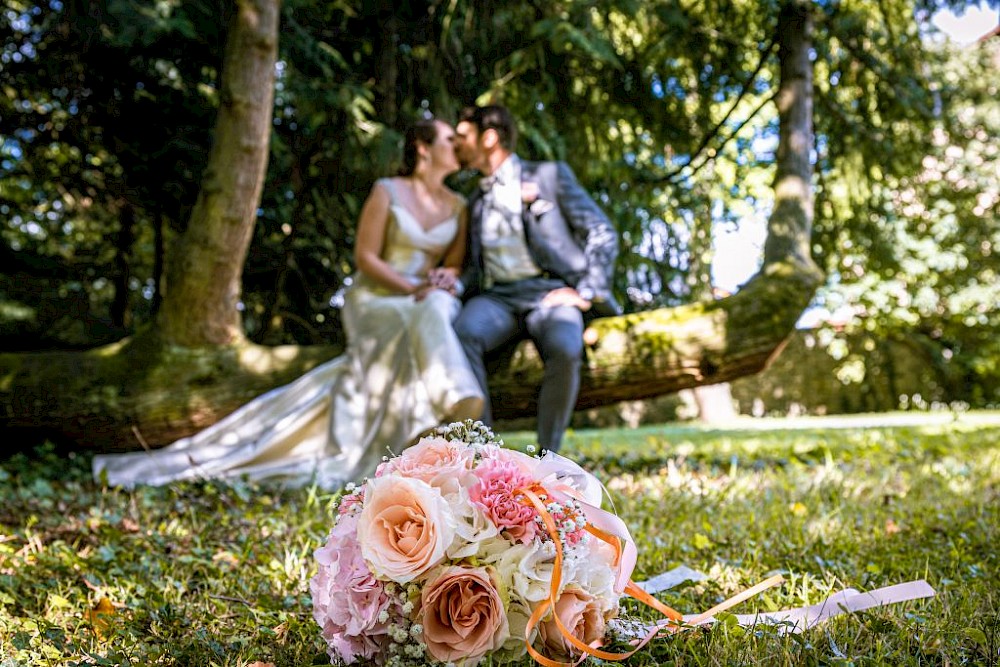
pixel 565 296
pixel 422 290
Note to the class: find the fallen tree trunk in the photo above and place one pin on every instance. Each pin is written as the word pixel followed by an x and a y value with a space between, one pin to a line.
pixel 140 391
pixel 145 392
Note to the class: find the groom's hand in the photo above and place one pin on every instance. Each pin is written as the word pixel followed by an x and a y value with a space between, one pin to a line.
pixel 565 296
pixel 443 278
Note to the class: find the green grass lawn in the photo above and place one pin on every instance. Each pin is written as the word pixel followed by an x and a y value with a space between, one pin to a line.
pixel 207 574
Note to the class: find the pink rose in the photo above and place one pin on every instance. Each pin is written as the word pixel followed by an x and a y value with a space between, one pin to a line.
pixel 494 491
pixel 405 527
pixel 463 615
pixel 347 598
pixel 441 463
pixel 580 613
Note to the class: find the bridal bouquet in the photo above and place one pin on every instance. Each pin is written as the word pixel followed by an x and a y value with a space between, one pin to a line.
pixel 460 548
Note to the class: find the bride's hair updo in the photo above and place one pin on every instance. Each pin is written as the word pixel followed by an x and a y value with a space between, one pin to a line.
pixel 423 131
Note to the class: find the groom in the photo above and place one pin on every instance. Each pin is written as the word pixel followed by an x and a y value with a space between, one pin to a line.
pixel 541 253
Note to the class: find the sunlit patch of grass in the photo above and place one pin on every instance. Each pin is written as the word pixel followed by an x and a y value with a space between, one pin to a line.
pixel 213 574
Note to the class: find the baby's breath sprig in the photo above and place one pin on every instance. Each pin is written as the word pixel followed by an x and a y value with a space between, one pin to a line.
pixel 569 519
pixel 470 432
pixel 406 647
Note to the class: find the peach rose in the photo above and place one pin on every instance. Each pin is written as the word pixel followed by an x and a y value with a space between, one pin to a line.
pixel 404 528
pixel 463 615
pixel 580 613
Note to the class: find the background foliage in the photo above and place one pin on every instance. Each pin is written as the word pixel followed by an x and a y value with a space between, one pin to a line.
pixel 663 109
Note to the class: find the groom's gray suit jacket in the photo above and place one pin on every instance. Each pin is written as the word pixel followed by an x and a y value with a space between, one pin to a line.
pixel 568 235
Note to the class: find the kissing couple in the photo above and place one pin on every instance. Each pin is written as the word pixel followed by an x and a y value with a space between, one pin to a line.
pixel 440 284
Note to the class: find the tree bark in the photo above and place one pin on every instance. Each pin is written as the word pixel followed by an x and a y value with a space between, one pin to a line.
pixel 790 229
pixel 202 292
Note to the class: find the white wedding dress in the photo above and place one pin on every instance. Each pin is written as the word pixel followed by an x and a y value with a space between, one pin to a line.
pixel 403 373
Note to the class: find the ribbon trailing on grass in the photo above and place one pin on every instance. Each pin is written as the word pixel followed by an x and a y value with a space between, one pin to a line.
pixel 563 478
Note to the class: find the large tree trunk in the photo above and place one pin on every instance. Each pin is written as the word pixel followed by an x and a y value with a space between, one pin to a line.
pixel 141 391
pixel 194 365
pixel 144 391
pixel 204 269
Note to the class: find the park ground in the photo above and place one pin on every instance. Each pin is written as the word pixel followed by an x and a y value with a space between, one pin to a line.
pixel 212 574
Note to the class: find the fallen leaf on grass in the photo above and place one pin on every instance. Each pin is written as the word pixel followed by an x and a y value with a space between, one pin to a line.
pixel 701 542
pixel 280 630
pixel 99 617
pixel 226 558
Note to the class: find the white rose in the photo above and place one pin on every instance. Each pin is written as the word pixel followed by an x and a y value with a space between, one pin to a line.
pixel 472 527
pixel 525 568
pixel 590 566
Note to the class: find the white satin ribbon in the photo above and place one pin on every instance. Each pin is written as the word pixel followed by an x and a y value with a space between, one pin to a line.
pixel 846 601
pixel 789 620
pixel 562 476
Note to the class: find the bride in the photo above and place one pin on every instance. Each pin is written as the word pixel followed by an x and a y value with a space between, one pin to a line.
pixel 404 370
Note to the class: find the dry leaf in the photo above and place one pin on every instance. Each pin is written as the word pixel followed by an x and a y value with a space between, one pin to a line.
pixel 891 527
pixel 280 631
pixel 99 616
pixel 260 664
pixel 226 558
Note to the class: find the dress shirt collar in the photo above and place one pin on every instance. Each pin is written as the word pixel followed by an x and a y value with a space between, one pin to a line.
pixel 509 171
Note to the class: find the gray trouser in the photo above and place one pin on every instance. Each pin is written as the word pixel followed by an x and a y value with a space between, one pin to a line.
pixel 508 311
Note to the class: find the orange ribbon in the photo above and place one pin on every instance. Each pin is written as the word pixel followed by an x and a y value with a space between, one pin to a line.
pixel 535 496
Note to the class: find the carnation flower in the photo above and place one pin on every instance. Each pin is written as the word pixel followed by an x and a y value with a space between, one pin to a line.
pixel 497 482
